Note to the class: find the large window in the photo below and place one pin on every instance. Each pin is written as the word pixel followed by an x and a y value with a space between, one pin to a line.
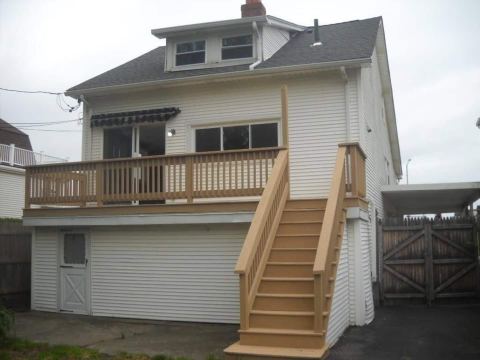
pixel 236 137
pixel 237 47
pixel 192 52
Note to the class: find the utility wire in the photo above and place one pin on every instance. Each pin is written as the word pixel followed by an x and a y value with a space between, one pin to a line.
pixel 40 123
pixel 31 92
pixel 52 130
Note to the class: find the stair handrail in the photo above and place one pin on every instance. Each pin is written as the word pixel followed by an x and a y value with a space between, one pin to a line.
pixel 260 236
pixel 328 235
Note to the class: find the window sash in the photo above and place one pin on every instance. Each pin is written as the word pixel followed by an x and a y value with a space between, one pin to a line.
pixel 235 125
pixel 182 54
pixel 238 46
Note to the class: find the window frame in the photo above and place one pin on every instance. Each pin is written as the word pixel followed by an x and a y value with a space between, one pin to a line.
pixel 233 124
pixel 177 43
pixel 236 46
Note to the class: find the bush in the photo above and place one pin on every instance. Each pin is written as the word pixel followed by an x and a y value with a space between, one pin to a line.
pixel 6 322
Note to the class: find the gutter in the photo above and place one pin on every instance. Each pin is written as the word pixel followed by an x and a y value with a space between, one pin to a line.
pixel 220 77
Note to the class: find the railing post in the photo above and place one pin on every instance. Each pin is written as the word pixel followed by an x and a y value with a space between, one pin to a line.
pixel 244 298
pixel 189 179
pixel 11 155
pixel 27 188
pixel 319 303
pixel 99 183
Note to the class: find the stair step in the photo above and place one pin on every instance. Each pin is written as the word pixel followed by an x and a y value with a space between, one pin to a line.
pixel 288 269
pixel 302 215
pixel 296 241
pixel 288 320
pixel 292 254
pixel 306 204
pixel 283 302
pixel 238 351
pixel 294 228
pixel 282 338
pixel 284 285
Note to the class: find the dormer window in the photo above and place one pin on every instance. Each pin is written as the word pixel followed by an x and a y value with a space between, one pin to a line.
pixel 192 52
pixel 237 47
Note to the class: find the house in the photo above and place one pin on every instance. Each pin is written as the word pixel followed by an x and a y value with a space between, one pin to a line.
pixel 15 153
pixel 255 145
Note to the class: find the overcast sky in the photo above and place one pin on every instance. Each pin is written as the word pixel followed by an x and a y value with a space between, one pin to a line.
pixel 433 49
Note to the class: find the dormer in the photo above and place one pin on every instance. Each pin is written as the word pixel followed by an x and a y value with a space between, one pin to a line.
pixel 246 41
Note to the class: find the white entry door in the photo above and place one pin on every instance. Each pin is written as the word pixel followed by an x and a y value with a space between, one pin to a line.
pixel 74 279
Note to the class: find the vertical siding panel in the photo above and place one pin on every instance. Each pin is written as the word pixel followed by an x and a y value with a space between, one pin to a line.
pixel 339 317
pixel 44 270
pixel 12 192
pixel 273 40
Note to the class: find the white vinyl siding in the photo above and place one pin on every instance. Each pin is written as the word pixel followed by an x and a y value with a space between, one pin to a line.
pixel 339 318
pixel 366 237
pixel 167 272
pixel 12 192
pixel 376 146
pixel 273 40
pixel 316 119
pixel 44 269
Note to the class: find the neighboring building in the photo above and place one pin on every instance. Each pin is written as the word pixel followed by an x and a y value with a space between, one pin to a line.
pixel 200 125
pixel 15 153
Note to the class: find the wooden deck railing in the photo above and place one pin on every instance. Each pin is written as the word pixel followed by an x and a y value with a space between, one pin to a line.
pixel 261 234
pixel 155 178
pixel 348 177
pixel 355 170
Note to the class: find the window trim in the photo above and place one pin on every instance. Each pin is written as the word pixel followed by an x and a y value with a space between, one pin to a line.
pixel 235 47
pixel 248 123
pixel 190 52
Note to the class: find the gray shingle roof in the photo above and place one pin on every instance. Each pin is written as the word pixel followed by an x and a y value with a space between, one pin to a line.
pixel 9 134
pixel 353 40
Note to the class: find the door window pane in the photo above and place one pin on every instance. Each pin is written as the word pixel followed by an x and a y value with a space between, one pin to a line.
pixel 235 137
pixel 74 249
pixel 152 140
pixel 207 139
pixel 117 142
pixel 264 135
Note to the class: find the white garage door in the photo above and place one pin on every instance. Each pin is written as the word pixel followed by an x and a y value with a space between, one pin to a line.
pixel 182 273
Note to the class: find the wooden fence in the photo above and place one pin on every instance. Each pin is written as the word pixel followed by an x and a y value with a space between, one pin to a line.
pixel 15 256
pixel 428 259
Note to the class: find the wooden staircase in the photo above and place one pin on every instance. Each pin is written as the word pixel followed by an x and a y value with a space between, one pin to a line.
pixel 288 268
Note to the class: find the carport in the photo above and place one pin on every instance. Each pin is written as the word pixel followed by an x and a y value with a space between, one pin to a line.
pixel 429 259
pixel 430 198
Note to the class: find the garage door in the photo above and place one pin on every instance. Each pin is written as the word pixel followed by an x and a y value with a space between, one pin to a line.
pixel 180 273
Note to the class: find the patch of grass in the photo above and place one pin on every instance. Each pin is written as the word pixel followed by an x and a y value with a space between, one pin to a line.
pixel 16 349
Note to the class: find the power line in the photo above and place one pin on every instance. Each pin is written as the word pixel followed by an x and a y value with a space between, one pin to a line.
pixel 31 92
pixel 69 108
pixel 40 123
pixel 52 130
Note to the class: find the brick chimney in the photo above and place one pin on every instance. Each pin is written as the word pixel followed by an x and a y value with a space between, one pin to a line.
pixel 253 8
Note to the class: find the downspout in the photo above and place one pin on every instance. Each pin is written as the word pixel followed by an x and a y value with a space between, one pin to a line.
pixel 259 46
pixel 344 75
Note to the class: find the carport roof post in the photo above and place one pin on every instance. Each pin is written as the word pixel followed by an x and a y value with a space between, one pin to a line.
pixel 429 198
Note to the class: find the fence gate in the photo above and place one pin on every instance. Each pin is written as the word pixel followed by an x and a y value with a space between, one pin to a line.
pixel 429 260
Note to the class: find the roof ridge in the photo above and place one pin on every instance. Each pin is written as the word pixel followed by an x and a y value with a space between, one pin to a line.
pixel 350 21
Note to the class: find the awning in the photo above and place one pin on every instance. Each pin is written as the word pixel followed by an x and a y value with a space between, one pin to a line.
pixel 429 198
pixel 134 117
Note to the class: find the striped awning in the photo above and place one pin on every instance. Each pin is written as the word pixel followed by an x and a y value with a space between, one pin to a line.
pixel 134 117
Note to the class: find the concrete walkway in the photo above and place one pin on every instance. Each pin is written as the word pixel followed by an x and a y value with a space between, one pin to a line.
pixel 112 336
pixel 416 332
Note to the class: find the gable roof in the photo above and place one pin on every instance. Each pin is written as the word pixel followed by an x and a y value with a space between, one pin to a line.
pixel 342 42
pixel 9 134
